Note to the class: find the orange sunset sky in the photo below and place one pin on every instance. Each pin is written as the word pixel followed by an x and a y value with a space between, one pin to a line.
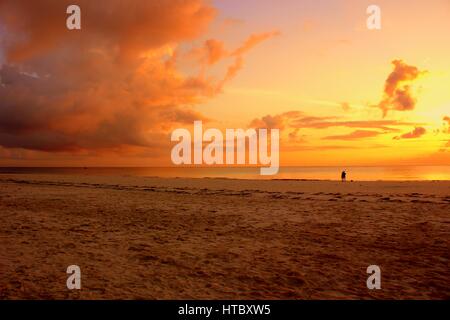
pixel 111 93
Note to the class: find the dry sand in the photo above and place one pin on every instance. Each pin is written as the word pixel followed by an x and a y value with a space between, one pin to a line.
pixel 151 238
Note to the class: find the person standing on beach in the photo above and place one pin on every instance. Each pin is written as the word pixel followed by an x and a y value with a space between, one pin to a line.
pixel 343 176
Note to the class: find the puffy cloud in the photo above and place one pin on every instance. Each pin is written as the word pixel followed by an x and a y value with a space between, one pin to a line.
pixel 94 103
pixel 397 89
pixel 128 27
pixel 114 85
pixel 416 133
pixel 355 135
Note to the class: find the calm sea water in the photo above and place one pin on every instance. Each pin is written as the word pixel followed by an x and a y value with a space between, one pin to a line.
pixel 320 173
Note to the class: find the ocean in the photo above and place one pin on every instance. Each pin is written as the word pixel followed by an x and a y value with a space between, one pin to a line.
pixel 387 173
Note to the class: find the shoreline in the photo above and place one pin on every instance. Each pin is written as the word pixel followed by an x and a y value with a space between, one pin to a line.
pixel 227 178
pixel 442 186
pixel 290 173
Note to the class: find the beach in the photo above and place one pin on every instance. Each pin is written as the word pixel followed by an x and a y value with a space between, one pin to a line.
pixel 169 238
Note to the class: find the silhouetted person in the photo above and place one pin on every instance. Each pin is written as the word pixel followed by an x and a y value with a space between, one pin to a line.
pixel 343 176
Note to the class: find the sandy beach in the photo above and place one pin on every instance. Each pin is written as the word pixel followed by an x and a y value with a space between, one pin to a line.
pixel 154 238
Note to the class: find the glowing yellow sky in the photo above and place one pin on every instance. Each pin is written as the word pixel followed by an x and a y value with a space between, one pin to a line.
pixel 326 56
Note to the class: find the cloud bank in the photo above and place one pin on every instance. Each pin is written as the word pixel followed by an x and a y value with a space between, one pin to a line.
pixel 115 84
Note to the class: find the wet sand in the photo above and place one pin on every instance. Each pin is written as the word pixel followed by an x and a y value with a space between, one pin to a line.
pixel 152 238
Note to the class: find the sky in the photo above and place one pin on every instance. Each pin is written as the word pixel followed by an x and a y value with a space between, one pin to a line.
pixel 111 93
